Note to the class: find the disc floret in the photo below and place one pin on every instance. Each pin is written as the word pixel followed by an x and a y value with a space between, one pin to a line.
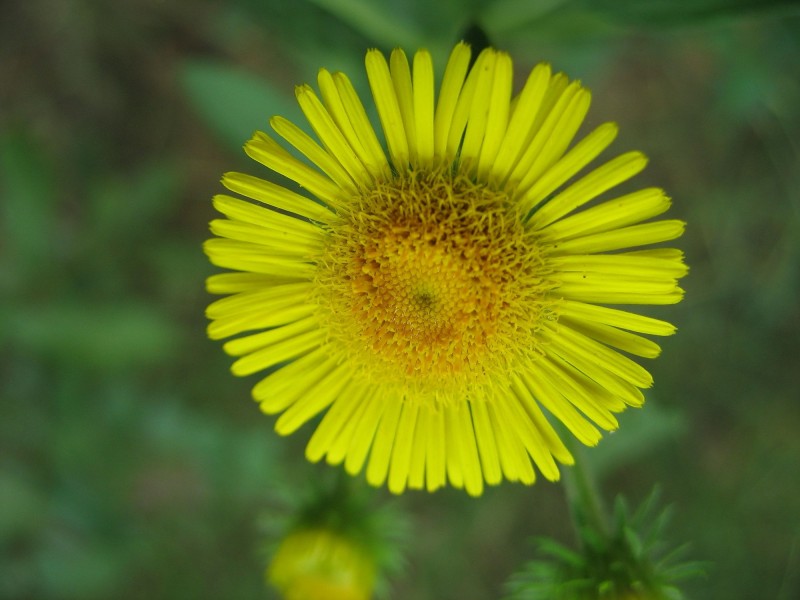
pixel 433 282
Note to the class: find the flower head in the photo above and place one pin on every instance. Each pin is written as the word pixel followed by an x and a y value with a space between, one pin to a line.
pixel 320 564
pixel 445 298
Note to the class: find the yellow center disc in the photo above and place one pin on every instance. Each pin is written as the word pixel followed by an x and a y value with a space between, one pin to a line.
pixel 432 281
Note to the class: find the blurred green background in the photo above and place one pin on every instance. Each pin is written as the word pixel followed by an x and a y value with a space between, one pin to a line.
pixel 133 465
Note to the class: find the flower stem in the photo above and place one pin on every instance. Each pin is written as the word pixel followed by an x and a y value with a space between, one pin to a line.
pixel 582 494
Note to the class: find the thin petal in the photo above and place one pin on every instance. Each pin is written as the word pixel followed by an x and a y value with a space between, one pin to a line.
pixel 277 222
pixel 453 453
pixel 314 400
pixel 613 214
pixel 558 352
pixel 335 142
pixel 416 469
pixel 543 133
pixel 513 457
pixel 276 196
pixel 589 187
pixel 452 83
pixel 518 133
pixel 579 396
pixel 282 351
pixel 559 139
pixel 611 336
pixel 263 149
pixel 262 299
pixel 469 114
pixel 403 447
pixel 361 125
pixel 624 265
pixel 613 361
pixel 251 343
pixel 363 434
pixel 335 422
pixel 308 369
pixel 615 318
pixel 627 237
pixel 285 245
pixel 497 117
pixel 233 283
pixel 401 78
pixel 573 161
pixel 380 81
pixel 543 389
pixel 247 256
pixel 381 454
pixel 423 107
pixel 315 153
pixel 487 447
pixel 436 453
pixel 537 435
pixel 334 102
pixel 478 114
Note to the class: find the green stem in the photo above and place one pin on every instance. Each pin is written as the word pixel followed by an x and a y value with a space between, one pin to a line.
pixel 373 21
pixel 582 493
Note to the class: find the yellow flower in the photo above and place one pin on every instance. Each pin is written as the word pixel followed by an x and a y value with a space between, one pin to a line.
pixel 446 299
pixel 317 564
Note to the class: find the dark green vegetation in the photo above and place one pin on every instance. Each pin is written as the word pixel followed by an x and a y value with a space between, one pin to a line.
pixel 132 464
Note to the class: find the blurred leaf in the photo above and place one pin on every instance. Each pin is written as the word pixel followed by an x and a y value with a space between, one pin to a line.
pixel 633 559
pixel 121 204
pixel 241 463
pixel 69 568
pixel 232 102
pixel 641 431
pixel 21 506
pixel 560 552
pixel 564 25
pixel 374 20
pixel 662 13
pixel 97 337
pixel 504 15
pixel 581 20
pixel 27 219
pixel 178 270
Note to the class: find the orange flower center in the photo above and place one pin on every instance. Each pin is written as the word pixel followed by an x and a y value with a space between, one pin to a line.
pixel 432 279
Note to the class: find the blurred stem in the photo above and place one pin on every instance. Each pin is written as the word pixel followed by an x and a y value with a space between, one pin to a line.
pixel 583 496
pixel 503 16
pixel 372 21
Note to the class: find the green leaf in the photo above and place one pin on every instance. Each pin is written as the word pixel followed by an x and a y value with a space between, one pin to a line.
pixel 641 431
pixel 373 20
pixel 633 542
pixel 233 102
pixel 119 203
pixel 506 15
pixel 23 507
pixel 96 337
pixel 664 13
pixel 27 219
pixel 77 569
pixel 560 552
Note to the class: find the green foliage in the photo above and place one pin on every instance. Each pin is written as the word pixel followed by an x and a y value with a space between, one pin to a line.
pixel 27 212
pixel 375 21
pixel 233 102
pixel 572 19
pixel 641 434
pixel 631 561
pixel 133 465
pixel 668 13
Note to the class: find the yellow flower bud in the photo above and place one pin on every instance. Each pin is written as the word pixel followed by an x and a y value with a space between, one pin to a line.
pixel 318 564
